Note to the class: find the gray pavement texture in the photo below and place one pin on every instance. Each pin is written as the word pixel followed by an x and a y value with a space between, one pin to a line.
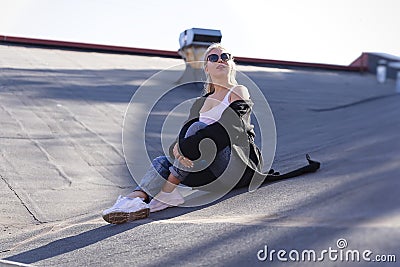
pixel 62 163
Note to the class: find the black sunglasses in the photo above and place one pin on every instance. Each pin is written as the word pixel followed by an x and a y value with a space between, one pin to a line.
pixel 214 57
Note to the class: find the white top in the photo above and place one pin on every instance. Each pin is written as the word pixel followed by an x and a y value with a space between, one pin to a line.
pixel 214 114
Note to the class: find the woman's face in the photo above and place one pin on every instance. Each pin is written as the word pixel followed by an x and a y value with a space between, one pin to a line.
pixel 220 67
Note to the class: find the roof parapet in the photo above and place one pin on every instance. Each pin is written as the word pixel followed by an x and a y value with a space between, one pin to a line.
pixel 370 61
pixel 171 54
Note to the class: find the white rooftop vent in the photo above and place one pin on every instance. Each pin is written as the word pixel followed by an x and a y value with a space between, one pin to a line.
pixel 199 37
pixel 193 43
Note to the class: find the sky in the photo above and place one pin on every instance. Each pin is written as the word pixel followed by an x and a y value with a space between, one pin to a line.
pixel 318 31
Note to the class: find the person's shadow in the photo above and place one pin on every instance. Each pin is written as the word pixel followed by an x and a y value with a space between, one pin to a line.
pixel 71 243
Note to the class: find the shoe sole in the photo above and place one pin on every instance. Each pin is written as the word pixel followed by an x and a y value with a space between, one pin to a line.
pixel 124 217
pixel 166 207
pixel 160 208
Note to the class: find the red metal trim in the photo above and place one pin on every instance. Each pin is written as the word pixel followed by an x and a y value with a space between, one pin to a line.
pixel 166 53
pixel 362 61
pixel 110 48
pixel 296 64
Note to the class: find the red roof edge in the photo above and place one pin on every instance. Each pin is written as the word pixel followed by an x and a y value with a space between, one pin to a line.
pixel 271 62
pixel 98 47
pixel 173 54
pixel 361 61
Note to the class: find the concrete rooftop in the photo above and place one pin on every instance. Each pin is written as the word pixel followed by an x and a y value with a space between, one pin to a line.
pixel 62 163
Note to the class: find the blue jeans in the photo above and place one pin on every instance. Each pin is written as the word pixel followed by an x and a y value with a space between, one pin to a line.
pixel 161 168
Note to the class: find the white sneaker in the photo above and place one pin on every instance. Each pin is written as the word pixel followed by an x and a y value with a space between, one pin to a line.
pixel 165 200
pixel 125 210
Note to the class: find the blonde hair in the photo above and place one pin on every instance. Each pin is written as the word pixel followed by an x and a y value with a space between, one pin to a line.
pixel 208 85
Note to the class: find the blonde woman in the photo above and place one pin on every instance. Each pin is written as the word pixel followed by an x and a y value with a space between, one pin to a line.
pixel 222 114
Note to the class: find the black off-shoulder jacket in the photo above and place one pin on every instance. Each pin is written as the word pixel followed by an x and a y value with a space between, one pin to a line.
pixel 233 129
